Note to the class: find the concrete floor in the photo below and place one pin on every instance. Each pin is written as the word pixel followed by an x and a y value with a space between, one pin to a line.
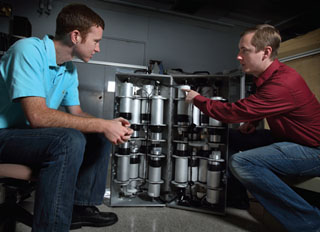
pixel 165 219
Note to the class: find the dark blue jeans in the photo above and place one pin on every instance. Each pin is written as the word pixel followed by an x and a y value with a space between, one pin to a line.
pixel 260 170
pixel 71 166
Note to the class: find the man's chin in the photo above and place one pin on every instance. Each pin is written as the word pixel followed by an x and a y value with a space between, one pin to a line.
pixel 246 70
pixel 86 60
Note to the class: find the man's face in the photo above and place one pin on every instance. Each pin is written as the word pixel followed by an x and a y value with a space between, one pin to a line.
pixel 86 48
pixel 250 60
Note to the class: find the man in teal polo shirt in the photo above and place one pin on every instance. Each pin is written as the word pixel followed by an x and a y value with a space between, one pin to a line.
pixel 69 150
pixel 57 84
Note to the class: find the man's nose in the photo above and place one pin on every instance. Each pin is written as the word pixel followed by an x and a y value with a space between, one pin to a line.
pixel 97 49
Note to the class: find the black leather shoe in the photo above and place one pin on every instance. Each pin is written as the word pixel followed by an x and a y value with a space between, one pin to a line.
pixel 91 216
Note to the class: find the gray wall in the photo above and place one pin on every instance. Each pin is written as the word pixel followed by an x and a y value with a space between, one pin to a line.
pixel 135 36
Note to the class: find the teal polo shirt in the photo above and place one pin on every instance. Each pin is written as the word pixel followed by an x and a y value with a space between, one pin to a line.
pixel 28 69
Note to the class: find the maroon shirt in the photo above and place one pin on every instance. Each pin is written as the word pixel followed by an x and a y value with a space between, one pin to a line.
pixel 282 97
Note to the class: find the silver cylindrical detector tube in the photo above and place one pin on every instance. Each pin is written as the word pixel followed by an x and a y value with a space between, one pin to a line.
pixel 123 168
pixel 196 115
pixel 126 89
pixel 193 173
pixel 134 167
pixel 154 190
pixel 157 110
pixel 142 167
pixel 125 105
pixel 214 169
pixel 135 111
pixel 134 171
pixel 213 178
pixel 144 107
pixel 182 107
pixel 147 91
pixel 154 176
pixel 203 163
pixel 193 166
pixel 213 196
pixel 181 169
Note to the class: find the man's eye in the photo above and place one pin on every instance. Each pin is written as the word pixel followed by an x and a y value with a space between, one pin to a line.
pixel 244 50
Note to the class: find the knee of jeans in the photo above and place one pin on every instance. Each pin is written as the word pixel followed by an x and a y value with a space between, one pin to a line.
pixel 242 168
pixel 236 162
pixel 74 139
pixel 70 142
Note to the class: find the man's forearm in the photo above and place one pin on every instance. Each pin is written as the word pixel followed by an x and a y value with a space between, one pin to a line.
pixel 55 118
pixel 40 116
pixel 84 114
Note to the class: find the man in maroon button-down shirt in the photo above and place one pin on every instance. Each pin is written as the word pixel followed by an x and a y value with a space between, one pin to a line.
pixel 292 145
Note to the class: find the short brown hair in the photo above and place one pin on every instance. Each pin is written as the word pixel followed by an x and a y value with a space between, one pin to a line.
pixel 77 17
pixel 265 35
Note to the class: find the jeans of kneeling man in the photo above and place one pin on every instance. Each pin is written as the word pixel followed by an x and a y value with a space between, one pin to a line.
pixel 260 170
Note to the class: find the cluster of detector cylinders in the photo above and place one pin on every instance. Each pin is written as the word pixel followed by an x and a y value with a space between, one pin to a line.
pixel 195 162
pixel 139 159
pixel 197 144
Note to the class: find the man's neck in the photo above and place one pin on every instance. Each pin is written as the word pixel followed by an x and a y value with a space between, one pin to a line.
pixel 63 52
pixel 264 67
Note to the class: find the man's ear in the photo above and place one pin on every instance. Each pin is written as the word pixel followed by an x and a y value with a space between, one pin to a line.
pixel 75 36
pixel 267 52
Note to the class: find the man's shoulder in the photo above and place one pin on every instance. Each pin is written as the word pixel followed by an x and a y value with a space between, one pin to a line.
pixel 31 48
pixel 28 47
pixel 289 77
pixel 28 42
pixel 285 72
pixel 283 68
